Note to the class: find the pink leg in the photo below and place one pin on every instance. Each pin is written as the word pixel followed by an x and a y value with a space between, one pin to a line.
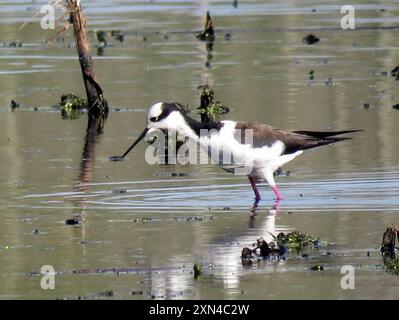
pixel 276 190
pixel 254 188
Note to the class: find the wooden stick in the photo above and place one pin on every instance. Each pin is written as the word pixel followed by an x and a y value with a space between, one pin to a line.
pixel 96 102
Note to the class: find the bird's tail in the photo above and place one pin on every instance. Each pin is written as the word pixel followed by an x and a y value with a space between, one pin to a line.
pixel 324 134
pixel 314 139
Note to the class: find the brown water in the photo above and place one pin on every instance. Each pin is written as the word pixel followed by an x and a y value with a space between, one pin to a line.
pixel 345 194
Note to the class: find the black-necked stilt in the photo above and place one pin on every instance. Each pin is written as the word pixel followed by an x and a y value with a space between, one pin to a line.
pixel 269 148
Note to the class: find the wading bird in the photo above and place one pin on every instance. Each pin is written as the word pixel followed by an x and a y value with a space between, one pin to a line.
pixel 269 148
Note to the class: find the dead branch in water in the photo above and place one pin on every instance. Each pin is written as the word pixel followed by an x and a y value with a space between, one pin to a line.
pixel 97 105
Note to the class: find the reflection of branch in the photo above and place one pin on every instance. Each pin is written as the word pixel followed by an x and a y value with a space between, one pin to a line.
pixel 95 126
pixel 97 105
pixel 88 154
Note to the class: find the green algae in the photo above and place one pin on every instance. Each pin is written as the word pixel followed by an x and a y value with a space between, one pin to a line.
pixel 71 106
pixel 210 109
pixel 296 239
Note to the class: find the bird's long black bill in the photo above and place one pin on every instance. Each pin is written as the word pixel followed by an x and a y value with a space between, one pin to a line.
pixel 140 137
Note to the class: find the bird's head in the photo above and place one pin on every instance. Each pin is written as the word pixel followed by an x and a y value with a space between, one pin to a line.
pixel 165 115
pixel 162 115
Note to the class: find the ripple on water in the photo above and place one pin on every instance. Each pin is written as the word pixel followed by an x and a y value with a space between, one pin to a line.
pixel 364 192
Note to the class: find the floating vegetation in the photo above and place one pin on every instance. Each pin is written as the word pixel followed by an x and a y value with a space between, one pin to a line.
pixel 106 293
pixel 71 221
pixel 277 249
pixel 119 191
pixel 317 268
pixel 329 82
pixel 296 239
pixel 72 101
pixel 143 220
pixel 194 219
pixel 197 270
pixel 310 39
pixel 14 105
pixel 311 75
pixel 366 106
pixel 395 107
pixel 262 249
pixel 210 110
pixel 172 174
pixel 118 35
pixel 74 220
pixel 13 44
pixel 71 106
pixel 102 42
pixel 395 72
pixel 392 265
pixel 208 34
pixel 102 38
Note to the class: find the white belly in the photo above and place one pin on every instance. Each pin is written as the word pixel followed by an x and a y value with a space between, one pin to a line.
pixel 225 150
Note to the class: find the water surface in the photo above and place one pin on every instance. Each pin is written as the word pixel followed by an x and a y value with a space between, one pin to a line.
pixel 147 225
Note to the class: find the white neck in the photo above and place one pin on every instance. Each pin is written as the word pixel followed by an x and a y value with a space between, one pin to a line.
pixel 177 122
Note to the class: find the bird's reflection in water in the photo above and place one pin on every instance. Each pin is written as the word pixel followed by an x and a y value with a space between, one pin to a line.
pixel 255 208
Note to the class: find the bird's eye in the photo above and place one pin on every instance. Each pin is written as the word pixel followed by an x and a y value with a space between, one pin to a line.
pixel 154 119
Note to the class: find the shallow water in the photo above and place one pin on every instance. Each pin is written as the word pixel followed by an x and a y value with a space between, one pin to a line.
pixel 153 223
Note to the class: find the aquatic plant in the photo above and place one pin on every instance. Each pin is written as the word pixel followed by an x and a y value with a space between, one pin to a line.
pixel 14 105
pixel 395 72
pixel 72 101
pixel 392 265
pixel 197 271
pixel 296 239
pixel 210 110
pixel 102 38
pixel 71 106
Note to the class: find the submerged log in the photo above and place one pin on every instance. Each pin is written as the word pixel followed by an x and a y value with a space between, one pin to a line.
pixel 97 105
